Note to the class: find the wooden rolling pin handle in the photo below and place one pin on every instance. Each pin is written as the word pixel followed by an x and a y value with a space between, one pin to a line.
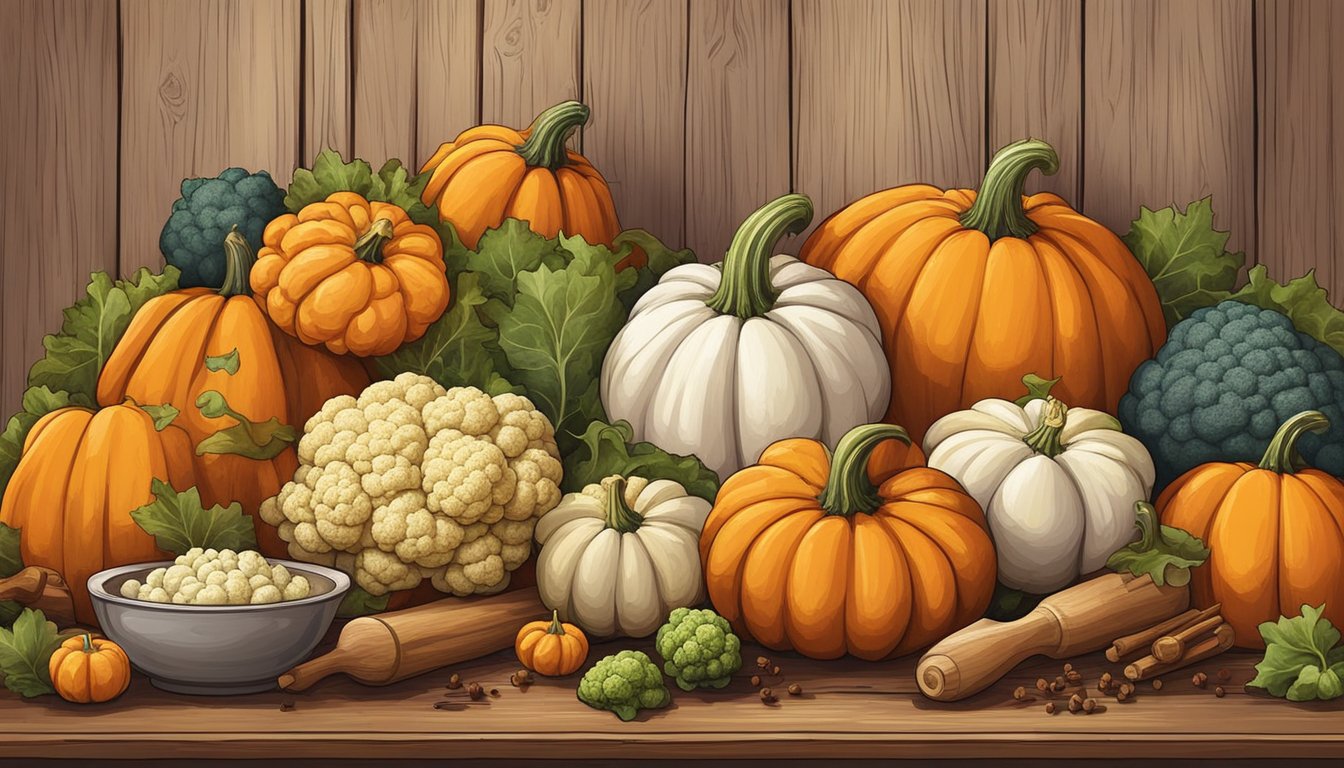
pixel 304 676
pixel 947 675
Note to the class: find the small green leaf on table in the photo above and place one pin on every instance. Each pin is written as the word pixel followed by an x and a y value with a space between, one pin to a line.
pixel 254 440
pixel 1165 553
pixel 358 602
pixel 25 653
pixel 1303 659
pixel 227 363
pixel 11 562
pixel 178 522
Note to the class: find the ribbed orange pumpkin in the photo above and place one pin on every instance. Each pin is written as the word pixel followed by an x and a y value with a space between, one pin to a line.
pixel 1275 533
pixel 357 276
pixel 81 475
pixel 86 670
pixel 161 359
pixel 857 555
pixel 975 290
pixel 491 173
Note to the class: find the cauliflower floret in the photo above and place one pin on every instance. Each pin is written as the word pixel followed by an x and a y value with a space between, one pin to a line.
pixel 258 581
pixel 238 589
pixel 130 588
pixel 250 562
pixel 414 533
pixel 213 594
pixel 298 588
pixel 280 575
pixel 216 578
pixel 464 409
pixel 465 477
pixel 267 594
pixel 190 590
pixel 155 578
pixel 158 595
pixel 380 572
pixel 538 475
pixel 190 557
pixel 207 567
pixel 172 579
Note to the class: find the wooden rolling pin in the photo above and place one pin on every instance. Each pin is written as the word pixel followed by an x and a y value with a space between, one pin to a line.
pixel 1081 619
pixel 378 650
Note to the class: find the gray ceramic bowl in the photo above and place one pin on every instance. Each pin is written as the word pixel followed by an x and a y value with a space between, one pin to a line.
pixel 216 650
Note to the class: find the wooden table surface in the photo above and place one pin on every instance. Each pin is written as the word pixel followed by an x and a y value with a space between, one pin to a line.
pixel 848 708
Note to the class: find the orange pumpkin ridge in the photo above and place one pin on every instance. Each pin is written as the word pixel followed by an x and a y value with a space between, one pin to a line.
pixel 1275 533
pixel 857 553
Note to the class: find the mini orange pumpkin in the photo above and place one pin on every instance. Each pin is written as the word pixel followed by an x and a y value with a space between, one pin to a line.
pixel 846 555
pixel 551 648
pixel 1275 533
pixel 491 173
pixel 86 670
pixel 355 275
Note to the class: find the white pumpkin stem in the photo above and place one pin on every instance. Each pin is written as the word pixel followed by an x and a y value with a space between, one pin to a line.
pixel 997 210
pixel 848 490
pixel 1045 438
pixel 369 247
pixel 1281 456
pixel 746 290
pixel 620 517
pixel 238 261
pixel 545 145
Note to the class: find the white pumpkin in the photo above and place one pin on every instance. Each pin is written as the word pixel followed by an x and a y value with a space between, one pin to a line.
pixel 1057 484
pixel 721 361
pixel 618 557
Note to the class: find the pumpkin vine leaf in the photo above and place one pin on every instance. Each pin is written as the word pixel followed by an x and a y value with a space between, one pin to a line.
pixel 1037 388
pixel 1303 658
pixel 1165 553
pixel 606 449
pixel 227 362
pixel 25 653
pixel 1185 257
pixel 162 415
pixel 659 258
pixel 11 562
pixel 330 174
pixel 255 440
pixel 1302 300
pixel 358 602
pixel 178 521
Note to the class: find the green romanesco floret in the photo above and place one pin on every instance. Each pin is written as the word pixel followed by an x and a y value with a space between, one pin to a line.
pixel 699 648
pixel 624 683
pixel 193 237
pixel 1227 378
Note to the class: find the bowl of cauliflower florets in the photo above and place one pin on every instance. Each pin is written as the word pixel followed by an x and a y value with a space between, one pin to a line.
pixel 217 622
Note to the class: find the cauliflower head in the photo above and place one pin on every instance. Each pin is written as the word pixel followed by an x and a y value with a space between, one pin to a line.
pixel 412 481
pixel 698 648
pixel 624 683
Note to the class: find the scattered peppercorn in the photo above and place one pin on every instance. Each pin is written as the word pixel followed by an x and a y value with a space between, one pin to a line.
pixel 1049 707
pixel 1059 681
pixel 1121 697
pixel 762 662
pixel 1157 684
pixel 1041 685
pixel 768 696
pixel 286 706
pixel 1067 667
pixel 1090 706
pixel 475 691
pixel 1224 675
pixel 494 691
pixel 775 671
pixel 446 705
pixel 1075 703
pixel 755 681
pixel 1219 692
pixel 1020 693
pixel 1127 689
pixel 795 689
pixel 1075 677
pixel 455 681
pixel 1199 679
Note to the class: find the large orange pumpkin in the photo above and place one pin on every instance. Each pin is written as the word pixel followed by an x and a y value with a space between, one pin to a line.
pixel 161 359
pixel 355 275
pixel 1275 533
pixel 860 554
pixel 81 475
pixel 975 289
pixel 491 173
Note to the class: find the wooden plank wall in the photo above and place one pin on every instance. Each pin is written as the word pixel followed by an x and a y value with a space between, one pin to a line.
pixel 702 110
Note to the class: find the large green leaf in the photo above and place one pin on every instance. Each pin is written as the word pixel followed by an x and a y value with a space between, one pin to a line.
pixel 178 522
pixel 1185 257
pixel 607 449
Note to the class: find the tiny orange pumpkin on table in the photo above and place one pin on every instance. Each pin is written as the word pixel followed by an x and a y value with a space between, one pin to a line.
pixel 88 670
pixel 354 275
pixel 857 554
pixel 552 648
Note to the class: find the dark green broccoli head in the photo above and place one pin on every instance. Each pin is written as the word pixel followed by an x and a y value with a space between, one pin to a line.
pixel 699 648
pixel 624 683
pixel 1227 377
pixel 193 238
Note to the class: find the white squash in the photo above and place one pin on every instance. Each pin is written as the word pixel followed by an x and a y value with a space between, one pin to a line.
pixel 721 361
pixel 1058 485
pixel 618 557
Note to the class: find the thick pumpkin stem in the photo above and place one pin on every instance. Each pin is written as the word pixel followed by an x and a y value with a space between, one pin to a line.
pixel 849 491
pixel 88 643
pixel 369 247
pixel 238 261
pixel 1281 456
pixel 745 289
pixel 998 210
pixel 556 627
pixel 1045 438
pixel 545 145
pixel 620 517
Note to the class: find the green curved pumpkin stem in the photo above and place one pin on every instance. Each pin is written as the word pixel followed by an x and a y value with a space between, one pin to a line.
pixel 556 627
pixel 238 261
pixel 1281 456
pixel 997 210
pixel 745 289
pixel 620 517
pixel 88 643
pixel 1045 438
pixel 849 491
pixel 545 145
pixel 369 247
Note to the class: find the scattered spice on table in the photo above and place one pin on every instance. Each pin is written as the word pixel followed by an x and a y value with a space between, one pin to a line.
pixel 1041 685
pixel 1199 679
pixel 454 682
pixel 1089 706
pixel 1219 692
pixel 755 681
pixel 286 706
pixel 1049 707
pixel 475 691
pixel 1157 684
pixel 1020 693
pixel 795 689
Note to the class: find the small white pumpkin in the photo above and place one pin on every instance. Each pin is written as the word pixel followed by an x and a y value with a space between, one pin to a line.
pixel 721 361
pixel 618 557
pixel 1058 485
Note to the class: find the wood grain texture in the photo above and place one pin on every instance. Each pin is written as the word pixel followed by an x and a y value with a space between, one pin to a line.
pixel 328 118
pixel 385 74
pixel 848 708
pixel 634 79
pixel 530 59
pixel 58 170
pixel 1301 152
pixel 886 93
pixel 206 85
pixel 448 72
pixel 1035 81
pixel 1169 113
pixel 737 116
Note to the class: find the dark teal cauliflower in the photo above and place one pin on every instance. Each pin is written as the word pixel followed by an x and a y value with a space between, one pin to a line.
pixel 193 238
pixel 624 683
pixel 1227 377
pixel 699 648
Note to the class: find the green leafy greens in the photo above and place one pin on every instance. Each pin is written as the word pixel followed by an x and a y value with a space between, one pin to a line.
pixel 178 522
pixel 358 602
pixel 1165 553
pixel 25 652
pixel 330 174
pixel 605 450
pixel 11 562
pixel 1303 658
pixel 1185 257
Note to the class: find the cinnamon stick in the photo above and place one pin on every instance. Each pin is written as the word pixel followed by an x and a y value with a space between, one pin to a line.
pixel 1149 667
pixel 1172 647
pixel 1140 643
